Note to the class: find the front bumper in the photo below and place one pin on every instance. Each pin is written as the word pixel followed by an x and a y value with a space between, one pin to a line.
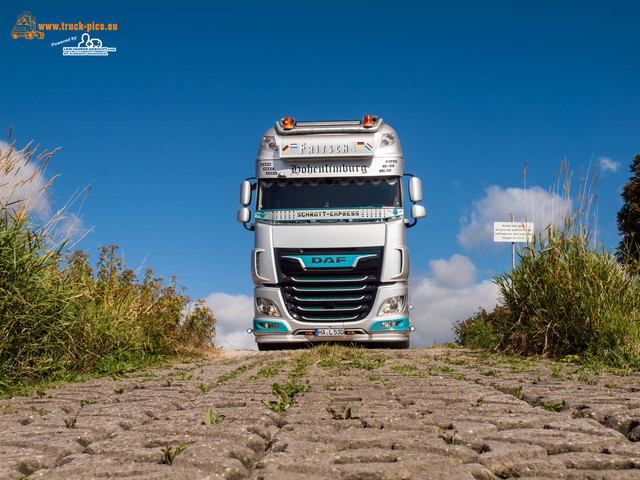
pixel 285 329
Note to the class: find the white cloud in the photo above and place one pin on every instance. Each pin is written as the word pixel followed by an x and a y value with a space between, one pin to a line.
pixel 235 315
pixel 23 184
pixel 608 165
pixel 22 181
pixel 448 294
pixel 534 204
pixel 457 272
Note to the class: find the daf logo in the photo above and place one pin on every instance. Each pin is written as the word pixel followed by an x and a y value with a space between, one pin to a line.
pixel 328 259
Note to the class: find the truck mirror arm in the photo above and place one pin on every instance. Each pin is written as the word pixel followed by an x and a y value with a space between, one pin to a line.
pixel 250 228
pixel 415 194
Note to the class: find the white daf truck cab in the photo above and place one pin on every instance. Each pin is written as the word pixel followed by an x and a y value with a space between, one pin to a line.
pixel 330 261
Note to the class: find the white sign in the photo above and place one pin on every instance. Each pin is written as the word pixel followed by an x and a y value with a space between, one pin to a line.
pixel 512 231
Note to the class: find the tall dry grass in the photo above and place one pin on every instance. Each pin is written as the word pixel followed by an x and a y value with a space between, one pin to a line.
pixel 567 294
pixel 59 315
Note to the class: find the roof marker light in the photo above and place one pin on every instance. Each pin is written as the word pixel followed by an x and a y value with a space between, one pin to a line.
pixel 288 123
pixel 367 121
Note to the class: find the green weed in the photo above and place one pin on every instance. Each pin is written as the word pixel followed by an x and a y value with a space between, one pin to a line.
pixel 404 368
pixel 70 422
pixel 553 406
pixel 517 391
pixel 270 370
pixel 334 386
pixel 346 413
pixel 170 454
pixel 7 409
pixel 210 417
pixel 285 395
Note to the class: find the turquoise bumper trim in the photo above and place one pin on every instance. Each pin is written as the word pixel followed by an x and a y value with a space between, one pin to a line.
pixel 261 326
pixel 403 324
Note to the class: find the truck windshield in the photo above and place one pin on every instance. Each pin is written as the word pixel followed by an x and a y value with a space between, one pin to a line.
pixel 329 193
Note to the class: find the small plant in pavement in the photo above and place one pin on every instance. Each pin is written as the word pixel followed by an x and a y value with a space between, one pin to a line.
pixel 170 454
pixel 71 421
pixel 347 413
pixel 553 406
pixel 210 417
pixel 285 395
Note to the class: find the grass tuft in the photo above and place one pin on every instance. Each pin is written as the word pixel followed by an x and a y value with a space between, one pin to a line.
pixel 567 297
pixel 61 317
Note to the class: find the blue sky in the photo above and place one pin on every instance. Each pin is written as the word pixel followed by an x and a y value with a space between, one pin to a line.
pixel 165 128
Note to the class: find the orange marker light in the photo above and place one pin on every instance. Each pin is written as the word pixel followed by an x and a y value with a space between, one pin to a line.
pixel 368 121
pixel 288 123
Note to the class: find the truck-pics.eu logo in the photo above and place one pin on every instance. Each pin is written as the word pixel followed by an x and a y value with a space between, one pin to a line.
pixel 26 27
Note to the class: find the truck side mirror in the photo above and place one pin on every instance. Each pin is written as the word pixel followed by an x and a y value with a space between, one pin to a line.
pixel 244 215
pixel 418 211
pixel 415 190
pixel 245 193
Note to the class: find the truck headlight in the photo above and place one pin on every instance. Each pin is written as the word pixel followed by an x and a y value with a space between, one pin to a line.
pixel 392 305
pixel 267 307
pixel 269 142
pixel 387 140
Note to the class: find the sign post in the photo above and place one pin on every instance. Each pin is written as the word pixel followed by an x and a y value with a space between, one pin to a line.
pixel 513 232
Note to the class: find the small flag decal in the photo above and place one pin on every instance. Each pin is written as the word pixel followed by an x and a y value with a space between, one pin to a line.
pixel 369 147
pixel 291 145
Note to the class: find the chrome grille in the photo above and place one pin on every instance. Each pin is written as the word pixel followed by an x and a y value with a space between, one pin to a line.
pixel 329 294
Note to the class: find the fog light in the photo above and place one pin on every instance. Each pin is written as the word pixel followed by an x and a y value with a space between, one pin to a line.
pixel 270 326
pixel 390 324
pixel 267 307
pixel 392 305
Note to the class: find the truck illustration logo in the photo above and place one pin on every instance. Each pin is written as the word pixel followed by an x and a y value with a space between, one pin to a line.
pixel 26 27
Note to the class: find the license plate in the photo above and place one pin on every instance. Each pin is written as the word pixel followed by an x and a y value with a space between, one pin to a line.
pixel 329 332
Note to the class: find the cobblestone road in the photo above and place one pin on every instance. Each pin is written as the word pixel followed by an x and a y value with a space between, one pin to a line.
pixel 415 414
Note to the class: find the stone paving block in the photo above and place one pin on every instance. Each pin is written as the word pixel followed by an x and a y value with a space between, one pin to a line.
pixel 459 472
pixel 603 474
pixel 469 429
pixel 373 471
pixel 536 468
pixel 8 473
pixel 623 421
pixel 369 455
pixel 25 460
pixel 604 461
pixel 500 457
pixel 437 446
pixel 583 425
pixel 554 441
pixel 84 467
